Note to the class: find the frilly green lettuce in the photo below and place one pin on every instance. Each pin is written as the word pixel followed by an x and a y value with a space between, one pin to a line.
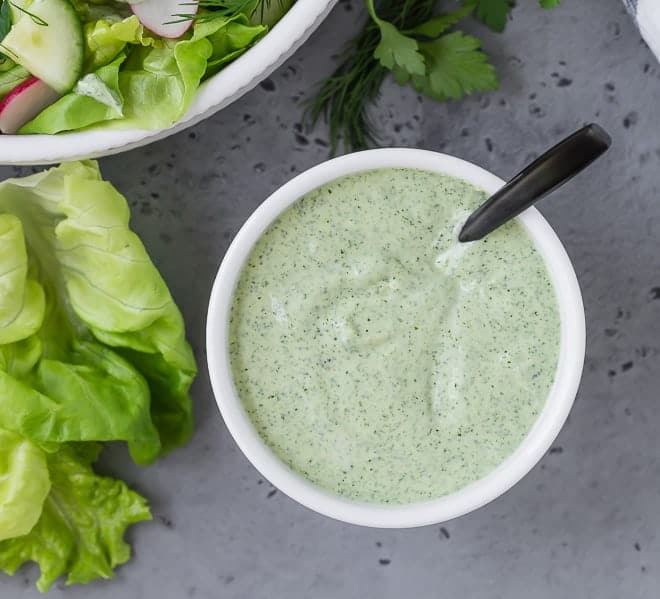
pixel 92 348
pixel 24 484
pixel 105 39
pixel 81 527
pixel 159 83
pixel 85 315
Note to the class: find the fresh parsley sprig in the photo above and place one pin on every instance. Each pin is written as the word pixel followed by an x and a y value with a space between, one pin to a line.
pixel 493 13
pixel 444 66
pixel 411 39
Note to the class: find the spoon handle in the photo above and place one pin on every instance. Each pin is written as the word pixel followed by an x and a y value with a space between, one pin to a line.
pixel 546 173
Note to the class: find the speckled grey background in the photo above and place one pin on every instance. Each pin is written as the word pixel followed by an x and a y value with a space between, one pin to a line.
pixel 583 523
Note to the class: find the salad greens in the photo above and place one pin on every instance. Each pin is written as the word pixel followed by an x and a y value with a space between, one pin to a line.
pixel 82 523
pixel 413 41
pixel 24 485
pixel 92 348
pixel 127 76
pixel 152 84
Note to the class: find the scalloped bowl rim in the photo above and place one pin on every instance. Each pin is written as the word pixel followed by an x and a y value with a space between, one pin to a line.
pixel 219 91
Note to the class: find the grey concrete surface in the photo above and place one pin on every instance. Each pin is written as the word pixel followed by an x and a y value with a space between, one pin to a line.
pixel 584 523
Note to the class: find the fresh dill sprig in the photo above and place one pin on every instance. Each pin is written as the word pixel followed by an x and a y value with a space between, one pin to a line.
pixel 6 24
pixel 225 8
pixel 35 18
pixel 344 98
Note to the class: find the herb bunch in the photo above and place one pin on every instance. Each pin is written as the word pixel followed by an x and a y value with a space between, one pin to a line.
pixel 213 9
pixel 417 43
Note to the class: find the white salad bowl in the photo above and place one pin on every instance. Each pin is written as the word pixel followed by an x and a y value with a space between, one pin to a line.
pixel 531 450
pixel 218 91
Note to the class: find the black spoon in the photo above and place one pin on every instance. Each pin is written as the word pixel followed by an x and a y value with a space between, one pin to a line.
pixel 559 164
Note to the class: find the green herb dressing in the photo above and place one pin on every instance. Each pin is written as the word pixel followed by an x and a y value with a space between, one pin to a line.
pixel 380 358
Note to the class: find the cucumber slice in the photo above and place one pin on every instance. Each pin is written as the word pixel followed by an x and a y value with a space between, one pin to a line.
pixel 15 11
pixel 50 44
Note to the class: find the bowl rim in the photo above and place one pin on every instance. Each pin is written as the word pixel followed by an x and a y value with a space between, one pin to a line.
pixel 518 464
pixel 220 90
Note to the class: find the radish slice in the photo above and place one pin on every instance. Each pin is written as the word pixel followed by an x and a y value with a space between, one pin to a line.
pixel 156 15
pixel 23 103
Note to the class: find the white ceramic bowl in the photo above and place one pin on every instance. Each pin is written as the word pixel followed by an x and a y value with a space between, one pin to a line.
pixel 532 449
pixel 222 89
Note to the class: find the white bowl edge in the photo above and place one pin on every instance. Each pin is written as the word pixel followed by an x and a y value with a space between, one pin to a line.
pixel 471 497
pixel 235 80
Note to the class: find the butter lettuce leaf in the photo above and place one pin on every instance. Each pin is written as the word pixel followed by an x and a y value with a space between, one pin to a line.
pixel 158 84
pixel 24 484
pixel 92 346
pixel 81 527
pixel 105 39
pixel 152 88
pixel 94 396
pixel 22 301
pixel 229 36
pixel 95 98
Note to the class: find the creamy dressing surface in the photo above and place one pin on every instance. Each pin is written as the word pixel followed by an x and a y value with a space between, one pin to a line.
pixel 380 358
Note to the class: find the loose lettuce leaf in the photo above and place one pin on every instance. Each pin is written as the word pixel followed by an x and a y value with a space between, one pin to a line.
pixel 94 396
pixel 82 525
pixel 109 359
pixel 24 484
pixel 18 359
pixel 22 301
pixel 156 352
